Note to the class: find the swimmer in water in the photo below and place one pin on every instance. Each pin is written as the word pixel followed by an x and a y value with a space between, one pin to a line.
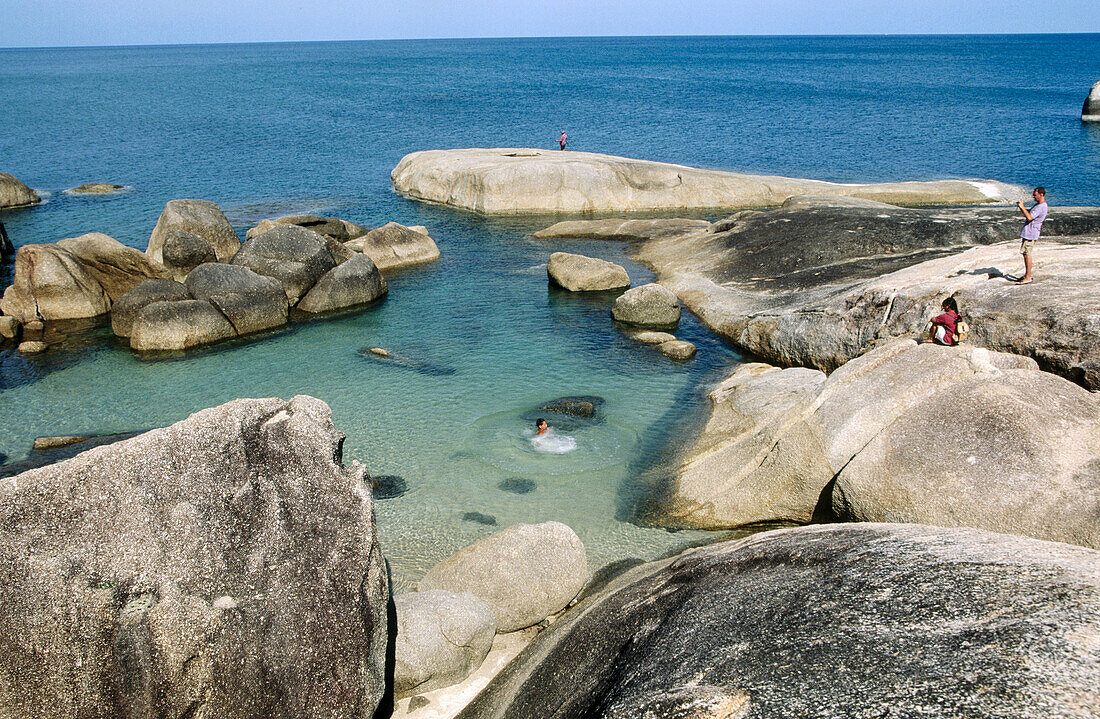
pixel 541 427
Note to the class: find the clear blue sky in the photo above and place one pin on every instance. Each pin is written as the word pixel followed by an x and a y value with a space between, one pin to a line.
pixel 34 23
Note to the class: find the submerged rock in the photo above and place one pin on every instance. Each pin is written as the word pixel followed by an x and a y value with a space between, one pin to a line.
pixel 199 217
pixel 525 572
pixel 392 245
pixel 478 518
pixel 388 486
pixel 825 621
pixel 511 181
pixel 227 565
pixel 95 188
pixel 517 485
pixel 578 273
pixel 14 193
pixel 395 359
pixel 649 305
pixel 1090 111
pixel 51 450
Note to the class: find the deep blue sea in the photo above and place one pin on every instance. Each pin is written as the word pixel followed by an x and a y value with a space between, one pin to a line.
pixel 267 130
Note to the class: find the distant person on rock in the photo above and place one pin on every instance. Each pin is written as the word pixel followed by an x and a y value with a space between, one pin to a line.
pixel 944 330
pixel 562 140
pixel 1030 234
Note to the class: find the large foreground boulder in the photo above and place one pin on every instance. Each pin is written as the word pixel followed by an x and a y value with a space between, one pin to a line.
pixel 250 302
pixel 441 638
pixel 126 310
pixel 953 436
pixel 524 573
pixel 1090 111
pixel 393 245
pixel 14 193
pixel 199 217
pixel 650 305
pixel 578 273
pixel 293 255
pixel 518 181
pixel 227 565
pixel 827 621
pixel 355 282
pixel 50 283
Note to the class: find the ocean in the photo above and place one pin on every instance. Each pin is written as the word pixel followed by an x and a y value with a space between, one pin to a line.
pixel 273 129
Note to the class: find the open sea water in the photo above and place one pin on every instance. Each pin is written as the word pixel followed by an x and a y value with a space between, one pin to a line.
pixel 273 129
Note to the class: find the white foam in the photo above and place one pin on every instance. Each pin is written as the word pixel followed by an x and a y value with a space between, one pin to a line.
pixel 989 189
pixel 553 443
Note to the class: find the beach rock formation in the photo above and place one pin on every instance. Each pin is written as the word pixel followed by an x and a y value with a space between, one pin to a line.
pixel 333 227
pixel 294 256
pixel 116 267
pixel 181 325
pixel 227 565
pixel 618 228
pixel 951 436
pixel 183 252
pixel 1090 111
pixel 827 621
pixel 650 305
pixel 519 181
pixel 250 302
pixel 50 283
pixel 393 245
pixel 9 327
pixel 95 188
pixel 677 349
pixel 355 282
pixel 126 310
pixel 524 573
pixel 578 273
pixel 199 217
pixel 441 638
pixel 14 193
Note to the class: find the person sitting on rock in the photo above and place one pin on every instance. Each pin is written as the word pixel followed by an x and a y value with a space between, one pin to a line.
pixel 943 329
pixel 541 427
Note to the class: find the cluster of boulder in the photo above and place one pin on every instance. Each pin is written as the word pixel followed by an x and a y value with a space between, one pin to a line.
pixel 196 283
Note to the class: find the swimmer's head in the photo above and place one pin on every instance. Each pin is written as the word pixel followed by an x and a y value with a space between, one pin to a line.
pixel 540 425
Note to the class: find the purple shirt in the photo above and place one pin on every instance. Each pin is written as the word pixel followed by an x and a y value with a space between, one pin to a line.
pixel 1031 229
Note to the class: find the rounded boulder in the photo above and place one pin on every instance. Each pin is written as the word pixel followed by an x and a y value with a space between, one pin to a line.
pixel 650 306
pixel 578 273
pixel 355 282
pixel 441 638
pixel 184 251
pixel 199 217
pixel 125 311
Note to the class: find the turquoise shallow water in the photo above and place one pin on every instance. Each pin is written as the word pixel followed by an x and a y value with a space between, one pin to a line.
pixel 266 130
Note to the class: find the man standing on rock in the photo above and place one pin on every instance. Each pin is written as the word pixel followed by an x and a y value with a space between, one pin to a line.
pixel 1030 233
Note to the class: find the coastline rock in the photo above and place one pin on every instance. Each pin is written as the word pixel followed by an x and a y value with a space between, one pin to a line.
pixel 441 638
pixel 50 283
pixel 51 450
pixel 199 217
pixel 9 327
pixel 14 193
pixel 355 282
pixel 293 255
pixel 393 245
pixel 765 627
pixel 677 350
pixel 116 267
pixel 32 347
pixel 125 311
pixel 524 181
pixel 650 305
pixel 525 572
pixel 7 249
pixel 227 565
pixel 183 252
pixel 650 337
pixel 95 188
pixel 337 229
pixel 1090 111
pixel 621 229
pixel 578 273
pixel 952 436
pixel 250 302
pixel 179 325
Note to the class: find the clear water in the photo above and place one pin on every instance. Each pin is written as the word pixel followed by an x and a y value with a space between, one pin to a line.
pixel 266 130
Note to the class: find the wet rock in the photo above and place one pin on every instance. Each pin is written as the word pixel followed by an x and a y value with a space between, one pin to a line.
pixel 227 565
pixel 49 283
pixel 251 302
pixel 441 638
pixel 584 406
pixel 355 282
pixel 620 229
pixel 517 485
pixel 392 245
pixel 388 486
pixel 125 311
pixel 95 188
pixel 14 193
pixel 116 267
pixel 199 217
pixel 650 337
pixel 525 572
pixel 677 349
pixel 9 327
pixel 178 325
pixel 337 229
pixel 32 347
pixel 183 252
pixel 649 305
pixel 479 518
pixel 578 273
pixel 763 627
pixel 1090 111
pixel 294 256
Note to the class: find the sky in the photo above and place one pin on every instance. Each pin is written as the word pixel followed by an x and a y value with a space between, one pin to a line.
pixel 48 23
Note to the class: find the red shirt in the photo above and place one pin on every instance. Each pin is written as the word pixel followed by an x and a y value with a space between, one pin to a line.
pixel 948 319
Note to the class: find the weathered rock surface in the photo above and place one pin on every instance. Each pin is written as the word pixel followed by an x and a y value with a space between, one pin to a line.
pixel 618 228
pixel 14 193
pixel 32 347
pixel 355 282
pixel 227 565
pixel 953 436
pixel 677 349
pixel 181 325
pixel 816 283
pixel 393 245
pixel 578 273
pixel 650 337
pixel 648 305
pixel 50 283
pixel 1090 111
pixel 250 302
pixel 125 311
pixel 183 252
pixel 337 229
pixel 518 181
pixel 95 188
pixel 524 573
pixel 441 638
pixel 830 621
pixel 199 217
pixel 293 255
pixel 116 267
pixel 9 327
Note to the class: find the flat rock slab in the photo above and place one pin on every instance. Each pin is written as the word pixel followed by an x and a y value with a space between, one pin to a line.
pixel 620 229
pixel 95 188
pixel 832 621
pixel 524 181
